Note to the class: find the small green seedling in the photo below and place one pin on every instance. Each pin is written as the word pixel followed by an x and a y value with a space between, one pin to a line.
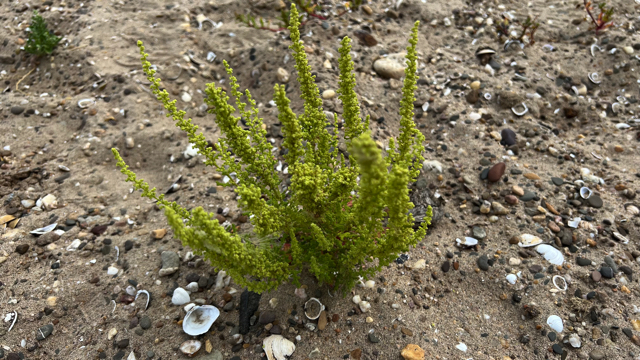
pixel 529 28
pixel 41 41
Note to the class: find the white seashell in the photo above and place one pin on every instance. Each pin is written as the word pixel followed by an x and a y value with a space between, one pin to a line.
pixel 132 356
pixel 180 297
pixel 312 308
pixel 188 307
pixel 622 126
pixel 148 297
pixel 585 192
pixel 574 223
pixel 615 107
pixel 111 271
pixel 190 347
pixel 130 290
pixel 551 254
pixel 44 230
pixel 528 240
pixel 555 322
pixel 85 103
pixel 462 347
pixel 594 78
pixel 522 112
pixel 370 284
pixel 190 152
pixel 512 278
pixel 364 306
pixel 199 319
pixel 633 210
pixel 620 237
pixel 468 242
pixel 277 347
pixel 556 285
pixel 356 299
pixel 574 340
pixel 220 279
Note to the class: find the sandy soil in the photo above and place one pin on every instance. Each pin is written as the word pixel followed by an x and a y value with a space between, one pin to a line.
pixel 53 146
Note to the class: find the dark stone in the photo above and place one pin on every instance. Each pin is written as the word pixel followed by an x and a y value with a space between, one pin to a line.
pixel 123 343
pixel 595 201
pixel 128 245
pixel 145 322
pixel 119 355
pixel 267 317
pixel 446 266
pixel 249 302
pixel 22 249
pixel 483 262
pixel 557 181
pixel 373 338
pixel 557 348
pixel 60 179
pixel 276 330
pixel 99 229
pixel 44 332
pixel 508 137
pixel 606 272
pixel 17 110
pixel 528 196
pixel 583 262
pixel 552 336
pixel 192 277
pixel 628 332
pixel 484 174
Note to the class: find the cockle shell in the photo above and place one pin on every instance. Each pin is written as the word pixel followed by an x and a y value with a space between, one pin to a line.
pixel 199 319
pixel 277 347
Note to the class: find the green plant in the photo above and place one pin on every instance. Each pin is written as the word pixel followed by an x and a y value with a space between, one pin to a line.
pixel 604 19
pixel 309 7
pixel 338 218
pixel 529 27
pixel 41 41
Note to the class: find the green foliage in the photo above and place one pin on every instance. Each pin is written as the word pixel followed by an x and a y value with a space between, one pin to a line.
pixel 40 41
pixel 339 218
pixel 309 8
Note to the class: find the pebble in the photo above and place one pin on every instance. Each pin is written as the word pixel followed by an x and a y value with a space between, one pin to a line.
pixel 496 172
pixel 170 263
pixel 373 338
pixel 583 262
pixel 595 201
pixel 596 354
pixel 531 176
pixel 511 199
pixel 596 275
pixel 390 67
pixel 445 267
pixel 328 94
pixel 22 249
pixel 479 233
pixel 475 85
pixel 44 332
pixel 508 137
pixel 517 190
pixel 282 75
pixel 606 272
pixel 528 195
pixel 412 352
pixel 557 181
pixel 145 322
pixel 498 209
pixel 17 110
pixel 483 262
pixel 186 97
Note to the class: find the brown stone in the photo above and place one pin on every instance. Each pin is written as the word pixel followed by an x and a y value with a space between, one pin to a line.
pixel 356 354
pixel 412 352
pixel 554 227
pixel 335 317
pixel 531 176
pixel 406 331
pixel 159 233
pixel 596 276
pixel 322 320
pixel 496 172
pixel 511 200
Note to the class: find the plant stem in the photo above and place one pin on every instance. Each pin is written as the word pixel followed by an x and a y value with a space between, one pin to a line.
pixel 586 6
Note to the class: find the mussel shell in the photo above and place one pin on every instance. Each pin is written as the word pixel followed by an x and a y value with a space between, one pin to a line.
pixel 485 51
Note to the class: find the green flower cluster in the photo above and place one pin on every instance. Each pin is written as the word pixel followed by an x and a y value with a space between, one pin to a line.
pixel 340 219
